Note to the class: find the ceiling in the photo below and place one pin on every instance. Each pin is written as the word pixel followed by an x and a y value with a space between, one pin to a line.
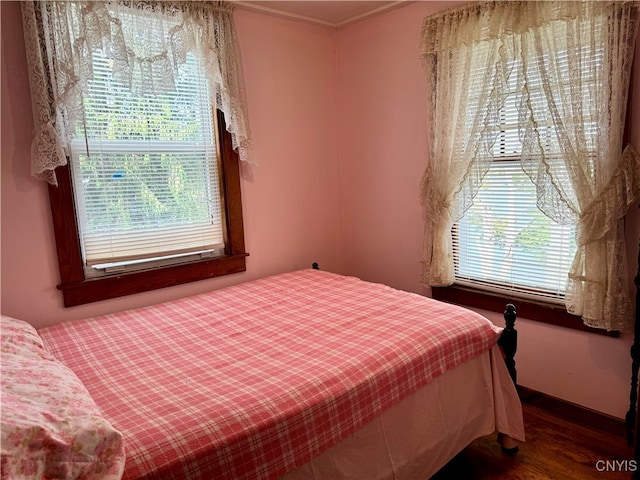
pixel 329 13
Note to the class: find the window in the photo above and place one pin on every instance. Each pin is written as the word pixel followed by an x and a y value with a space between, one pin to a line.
pixel 504 243
pixel 79 289
pixel 504 247
pixel 151 195
pixel 526 187
pixel 145 173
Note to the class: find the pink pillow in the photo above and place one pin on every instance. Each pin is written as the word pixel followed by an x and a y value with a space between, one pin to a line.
pixel 51 427
pixel 19 337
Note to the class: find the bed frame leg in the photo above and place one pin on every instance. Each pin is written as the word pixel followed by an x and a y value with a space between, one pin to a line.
pixel 507 444
pixel 508 341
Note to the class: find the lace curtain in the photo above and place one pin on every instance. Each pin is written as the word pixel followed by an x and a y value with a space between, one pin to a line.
pixel 585 124
pixel 463 112
pixel 60 38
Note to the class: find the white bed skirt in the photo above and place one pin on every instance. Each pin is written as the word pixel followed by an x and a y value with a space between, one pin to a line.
pixel 417 437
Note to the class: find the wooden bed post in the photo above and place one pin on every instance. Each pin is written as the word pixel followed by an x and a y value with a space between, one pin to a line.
pixel 630 418
pixel 509 341
pixel 633 432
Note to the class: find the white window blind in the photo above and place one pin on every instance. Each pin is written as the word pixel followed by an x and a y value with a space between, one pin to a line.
pixel 145 171
pixel 505 243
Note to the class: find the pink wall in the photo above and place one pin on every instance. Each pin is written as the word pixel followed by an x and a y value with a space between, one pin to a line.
pixel 291 200
pixel 383 148
pixel 338 122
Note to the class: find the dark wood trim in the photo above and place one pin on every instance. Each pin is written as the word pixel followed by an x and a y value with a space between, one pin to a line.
pixel 94 290
pixel 631 421
pixel 65 227
pixel 635 353
pixel 573 412
pixel 230 179
pixel 508 341
pixel 547 313
pixel 78 290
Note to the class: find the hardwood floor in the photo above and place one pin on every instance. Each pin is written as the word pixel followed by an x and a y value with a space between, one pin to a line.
pixel 558 447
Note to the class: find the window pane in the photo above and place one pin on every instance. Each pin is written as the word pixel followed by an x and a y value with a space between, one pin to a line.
pixel 505 242
pixel 126 194
pixel 145 169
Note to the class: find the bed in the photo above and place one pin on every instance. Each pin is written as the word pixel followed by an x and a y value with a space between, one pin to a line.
pixel 301 375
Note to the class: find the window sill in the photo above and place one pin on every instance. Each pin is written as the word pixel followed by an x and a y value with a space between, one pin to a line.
pixel 104 288
pixel 541 312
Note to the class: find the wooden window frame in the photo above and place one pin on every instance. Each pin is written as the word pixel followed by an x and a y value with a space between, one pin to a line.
pixel 79 290
pixel 549 313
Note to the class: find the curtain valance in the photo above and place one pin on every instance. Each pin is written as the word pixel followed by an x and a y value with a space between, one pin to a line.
pixel 146 51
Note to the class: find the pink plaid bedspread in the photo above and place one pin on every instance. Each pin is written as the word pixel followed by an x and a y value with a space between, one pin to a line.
pixel 251 381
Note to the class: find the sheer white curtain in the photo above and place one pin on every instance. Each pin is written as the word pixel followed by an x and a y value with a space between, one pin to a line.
pixel 60 38
pixel 464 74
pixel 585 99
pixel 573 61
